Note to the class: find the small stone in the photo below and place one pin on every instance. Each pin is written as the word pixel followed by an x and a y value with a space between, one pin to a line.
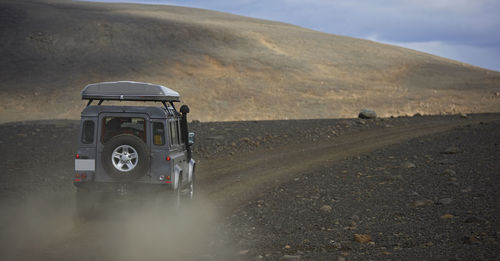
pixel 445 201
pixel 423 202
pixel 451 150
pixel 466 190
pixel 449 172
pixel 408 165
pixel 447 216
pixel 326 208
pixel 362 238
pixel 340 258
pixel 470 240
pixel 447 162
pixel 474 219
pixel 291 257
pixel 243 252
pixel 287 247
pixel 463 115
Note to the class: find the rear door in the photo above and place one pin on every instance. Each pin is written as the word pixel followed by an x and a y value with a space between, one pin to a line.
pixel 112 124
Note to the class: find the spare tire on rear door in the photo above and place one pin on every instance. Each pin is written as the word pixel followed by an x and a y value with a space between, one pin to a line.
pixel 125 157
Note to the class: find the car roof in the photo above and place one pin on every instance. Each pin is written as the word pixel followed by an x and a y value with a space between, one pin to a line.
pixel 129 91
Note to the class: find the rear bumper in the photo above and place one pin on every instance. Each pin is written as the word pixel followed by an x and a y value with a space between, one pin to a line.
pixel 122 188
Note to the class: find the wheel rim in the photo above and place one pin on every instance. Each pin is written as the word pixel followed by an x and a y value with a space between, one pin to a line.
pixel 124 158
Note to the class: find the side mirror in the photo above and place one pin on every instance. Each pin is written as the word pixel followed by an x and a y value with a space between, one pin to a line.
pixel 191 138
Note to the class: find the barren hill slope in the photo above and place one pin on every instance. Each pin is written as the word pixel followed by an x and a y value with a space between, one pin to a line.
pixel 226 67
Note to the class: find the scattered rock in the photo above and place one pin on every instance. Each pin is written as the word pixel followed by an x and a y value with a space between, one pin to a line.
pixel 287 247
pixel 470 240
pixel 291 257
pixel 447 162
pixel 463 115
pixel 445 201
pixel 340 258
pixel 474 219
pixel 367 114
pixel 447 216
pixel 408 165
pixel 326 208
pixel 362 238
pixel 449 172
pixel 451 150
pixel 423 202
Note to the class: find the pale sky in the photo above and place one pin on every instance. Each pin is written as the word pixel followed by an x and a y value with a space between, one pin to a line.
pixel 463 30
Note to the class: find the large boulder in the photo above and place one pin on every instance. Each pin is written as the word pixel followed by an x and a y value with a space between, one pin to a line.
pixel 367 114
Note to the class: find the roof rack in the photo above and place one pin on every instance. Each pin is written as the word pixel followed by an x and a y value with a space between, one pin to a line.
pixel 129 91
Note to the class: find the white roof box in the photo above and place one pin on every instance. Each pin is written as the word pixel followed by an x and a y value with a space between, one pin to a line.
pixel 129 91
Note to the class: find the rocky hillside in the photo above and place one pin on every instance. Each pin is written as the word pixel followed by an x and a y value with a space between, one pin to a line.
pixel 226 67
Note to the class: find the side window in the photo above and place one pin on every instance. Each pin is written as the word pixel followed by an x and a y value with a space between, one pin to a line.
pixel 158 133
pixel 173 133
pixel 177 131
pixel 88 132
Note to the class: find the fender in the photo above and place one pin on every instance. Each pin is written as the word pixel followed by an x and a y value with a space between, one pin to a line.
pixel 177 171
pixel 191 169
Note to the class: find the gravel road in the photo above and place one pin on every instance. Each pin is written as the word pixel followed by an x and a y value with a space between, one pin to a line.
pixel 348 189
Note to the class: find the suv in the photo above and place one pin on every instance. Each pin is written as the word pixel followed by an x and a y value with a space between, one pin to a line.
pixel 129 149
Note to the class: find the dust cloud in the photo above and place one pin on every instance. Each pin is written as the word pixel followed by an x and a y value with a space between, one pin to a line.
pixel 45 227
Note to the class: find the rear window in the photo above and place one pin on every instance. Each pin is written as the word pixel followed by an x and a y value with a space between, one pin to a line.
pixel 88 132
pixel 112 126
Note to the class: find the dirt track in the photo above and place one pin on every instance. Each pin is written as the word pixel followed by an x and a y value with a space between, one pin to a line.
pixel 243 176
pixel 239 163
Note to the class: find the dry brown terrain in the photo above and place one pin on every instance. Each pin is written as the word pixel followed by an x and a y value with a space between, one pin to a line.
pixel 227 67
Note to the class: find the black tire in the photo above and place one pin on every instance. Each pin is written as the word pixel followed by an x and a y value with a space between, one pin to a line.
pixel 142 160
pixel 87 204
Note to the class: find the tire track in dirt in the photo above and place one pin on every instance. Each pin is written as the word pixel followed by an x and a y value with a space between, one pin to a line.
pixel 232 181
